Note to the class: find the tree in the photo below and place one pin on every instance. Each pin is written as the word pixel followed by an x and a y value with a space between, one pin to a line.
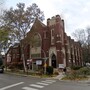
pixel 4 38
pixel 83 36
pixel 2 2
pixel 3 33
pixel 80 35
pixel 19 21
pixel 88 44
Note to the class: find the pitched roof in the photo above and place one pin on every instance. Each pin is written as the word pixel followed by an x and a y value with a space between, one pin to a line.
pixel 39 22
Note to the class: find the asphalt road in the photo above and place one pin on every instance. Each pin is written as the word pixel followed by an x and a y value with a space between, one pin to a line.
pixel 13 82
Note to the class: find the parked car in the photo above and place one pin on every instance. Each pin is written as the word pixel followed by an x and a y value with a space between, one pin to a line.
pixel 1 66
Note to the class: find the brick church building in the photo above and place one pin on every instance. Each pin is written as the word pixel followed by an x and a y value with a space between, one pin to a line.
pixel 50 46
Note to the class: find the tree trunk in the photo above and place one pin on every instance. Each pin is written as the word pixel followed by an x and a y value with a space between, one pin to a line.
pixel 23 58
pixel 24 65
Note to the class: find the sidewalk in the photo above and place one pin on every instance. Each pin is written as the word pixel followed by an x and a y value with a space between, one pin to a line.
pixel 60 76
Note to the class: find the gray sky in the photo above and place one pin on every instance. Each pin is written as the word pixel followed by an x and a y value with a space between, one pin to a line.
pixel 75 13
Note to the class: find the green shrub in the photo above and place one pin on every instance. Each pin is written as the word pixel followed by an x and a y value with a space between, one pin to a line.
pixel 84 71
pixel 75 67
pixel 56 73
pixel 74 75
pixel 49 70
pixel 78 74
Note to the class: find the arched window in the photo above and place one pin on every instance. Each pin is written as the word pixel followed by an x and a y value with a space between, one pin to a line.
pixel 36 42
pixel 35 50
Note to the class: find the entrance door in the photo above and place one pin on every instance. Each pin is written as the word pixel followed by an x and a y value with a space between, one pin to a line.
pixel 53 61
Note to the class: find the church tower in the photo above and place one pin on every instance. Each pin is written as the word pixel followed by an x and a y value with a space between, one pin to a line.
pixel 57 51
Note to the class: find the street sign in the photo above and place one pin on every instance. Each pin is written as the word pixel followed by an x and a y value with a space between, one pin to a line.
pixel 45 58
pixel 38 62
pixel 29 61
pixel 61 65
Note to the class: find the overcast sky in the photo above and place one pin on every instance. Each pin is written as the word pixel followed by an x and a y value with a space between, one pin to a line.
pixel 76 13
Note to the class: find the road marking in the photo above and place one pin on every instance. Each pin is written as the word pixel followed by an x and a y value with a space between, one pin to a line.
pixel 46 82
pixel 10 86
pixel 35 85
pixel 29 88
pixel 51 80
pixel 39 85
pixel 42 83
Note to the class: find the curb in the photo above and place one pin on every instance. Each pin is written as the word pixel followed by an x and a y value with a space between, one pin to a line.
pixel 84 82
pixel 29 75
pixel 21 75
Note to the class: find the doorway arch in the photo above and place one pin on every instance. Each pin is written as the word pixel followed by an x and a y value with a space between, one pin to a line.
pixel 53 61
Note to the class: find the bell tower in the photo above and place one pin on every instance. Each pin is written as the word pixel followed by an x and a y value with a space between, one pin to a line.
pixel 56 30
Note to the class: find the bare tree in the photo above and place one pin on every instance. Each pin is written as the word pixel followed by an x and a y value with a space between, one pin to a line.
pixel 88 36
pixel 83 36
pixel 80 35
pixel 19 21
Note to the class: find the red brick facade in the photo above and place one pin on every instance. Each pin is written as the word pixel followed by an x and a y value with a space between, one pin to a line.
pixel 52 43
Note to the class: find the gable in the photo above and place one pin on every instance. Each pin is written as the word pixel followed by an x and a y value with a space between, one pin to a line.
pixel 38 26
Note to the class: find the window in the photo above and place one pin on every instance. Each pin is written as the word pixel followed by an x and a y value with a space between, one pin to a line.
pixel 36 42
pixel 52 37
pixel 35 55
pixel 35 50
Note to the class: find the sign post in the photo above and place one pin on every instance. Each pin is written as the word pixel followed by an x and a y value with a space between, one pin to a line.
pixel 29 62
pixel 45 59
pixel 38 62
pixel 45 65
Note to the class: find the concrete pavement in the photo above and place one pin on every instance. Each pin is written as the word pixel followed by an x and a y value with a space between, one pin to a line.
pixel 58 77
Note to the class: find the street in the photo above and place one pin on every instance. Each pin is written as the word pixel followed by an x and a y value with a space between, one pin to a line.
pixel 13 82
